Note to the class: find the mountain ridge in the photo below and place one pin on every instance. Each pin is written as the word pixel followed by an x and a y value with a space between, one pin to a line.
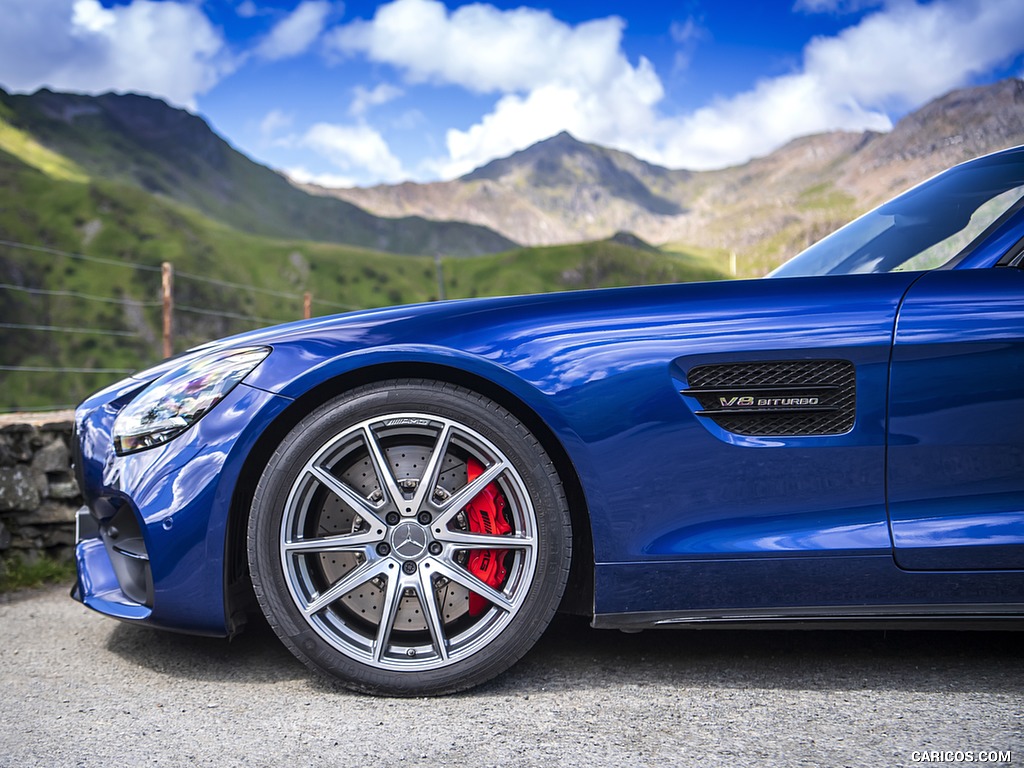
pixel 141 141
pixel 564 190
pixel 557 191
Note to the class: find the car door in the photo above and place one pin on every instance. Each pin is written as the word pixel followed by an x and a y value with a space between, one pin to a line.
pixel 956 422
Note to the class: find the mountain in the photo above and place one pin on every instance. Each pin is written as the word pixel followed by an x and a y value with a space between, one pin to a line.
pixel 595 174
pixel 557 191
pixel 171 153
pixel 563 190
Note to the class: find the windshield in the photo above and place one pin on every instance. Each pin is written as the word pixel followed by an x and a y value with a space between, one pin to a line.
pixel 923 228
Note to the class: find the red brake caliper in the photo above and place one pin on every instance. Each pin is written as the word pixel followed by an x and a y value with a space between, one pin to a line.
pixel 484 514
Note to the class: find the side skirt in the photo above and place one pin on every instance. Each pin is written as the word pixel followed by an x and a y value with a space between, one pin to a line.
pixel 1004 616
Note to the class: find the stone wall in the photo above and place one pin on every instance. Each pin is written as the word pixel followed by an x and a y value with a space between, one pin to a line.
pixel 38 492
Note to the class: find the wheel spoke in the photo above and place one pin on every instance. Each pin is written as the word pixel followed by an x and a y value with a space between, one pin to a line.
pixel 467 493
pixel 384 474
pixel 473 584
pixel 428 601
pixel 360 575
pixel 345 542
pixel 359 504
pixel 430 473
pixel 389 610
pixel 467 540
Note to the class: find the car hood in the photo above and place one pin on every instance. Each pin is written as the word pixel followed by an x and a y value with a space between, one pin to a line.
pixel 460 324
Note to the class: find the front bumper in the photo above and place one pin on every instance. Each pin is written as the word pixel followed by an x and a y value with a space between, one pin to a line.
pixel 152 534
pixel 104 587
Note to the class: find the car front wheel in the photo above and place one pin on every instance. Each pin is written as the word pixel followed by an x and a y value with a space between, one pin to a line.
pixel 409 538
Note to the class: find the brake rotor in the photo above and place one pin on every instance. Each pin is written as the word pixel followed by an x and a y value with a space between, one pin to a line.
pixel 407 463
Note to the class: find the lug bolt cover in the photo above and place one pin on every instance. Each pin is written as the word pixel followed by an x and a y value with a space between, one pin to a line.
pixel 424 518
pixel 409 567
pixel 383 549
pixel 393 518
pixel 435 548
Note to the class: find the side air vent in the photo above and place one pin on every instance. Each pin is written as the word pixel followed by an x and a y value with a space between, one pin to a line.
pixel 798 398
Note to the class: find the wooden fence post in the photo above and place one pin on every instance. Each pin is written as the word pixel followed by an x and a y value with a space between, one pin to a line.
pixel 439 269
pixel 307 305
pixel 167 289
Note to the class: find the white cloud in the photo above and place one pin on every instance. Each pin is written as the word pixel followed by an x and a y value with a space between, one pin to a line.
pixel 909 52
pixel 273 124
pixel 756 122
pixel 303 175
pixel 687 35
pixel 168 49
pixel 294 34
pixel 549 75
pixel 247 9
pixel 409 120
pixel 90 16
pixel 835 6
pixel 482 48
pixel 365 98
pixel 686 32
pixel 542 74
pixel 358 150
pixel 894 59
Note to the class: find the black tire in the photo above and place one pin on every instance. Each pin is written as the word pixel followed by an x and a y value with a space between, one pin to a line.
pixel 391 584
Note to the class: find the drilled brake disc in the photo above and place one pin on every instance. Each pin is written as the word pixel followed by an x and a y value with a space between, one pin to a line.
pixel 407 462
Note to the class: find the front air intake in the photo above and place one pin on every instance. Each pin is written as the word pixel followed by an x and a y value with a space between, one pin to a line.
pixel 793 398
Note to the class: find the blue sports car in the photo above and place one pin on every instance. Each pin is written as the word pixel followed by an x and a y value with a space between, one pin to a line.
pixel 409 494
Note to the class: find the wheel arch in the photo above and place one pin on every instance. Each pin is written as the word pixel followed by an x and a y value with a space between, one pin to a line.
pixel 239 597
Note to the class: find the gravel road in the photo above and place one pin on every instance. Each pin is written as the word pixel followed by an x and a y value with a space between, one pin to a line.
pixel 79 689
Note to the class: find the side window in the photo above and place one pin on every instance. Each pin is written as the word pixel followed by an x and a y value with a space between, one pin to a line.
pixel 989 213
pixel 931 225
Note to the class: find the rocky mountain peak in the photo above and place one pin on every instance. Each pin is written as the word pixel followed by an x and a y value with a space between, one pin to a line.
pixel 978 120
pixel 955 127
pixel 565 167
pixel 541 159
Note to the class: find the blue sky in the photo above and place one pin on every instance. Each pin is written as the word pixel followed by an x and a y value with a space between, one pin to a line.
pixel 358 93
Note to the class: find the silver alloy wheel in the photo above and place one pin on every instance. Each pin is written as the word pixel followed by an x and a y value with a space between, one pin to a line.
pixel 374 542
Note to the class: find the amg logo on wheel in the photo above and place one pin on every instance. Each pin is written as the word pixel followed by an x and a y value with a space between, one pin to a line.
pixel 766 402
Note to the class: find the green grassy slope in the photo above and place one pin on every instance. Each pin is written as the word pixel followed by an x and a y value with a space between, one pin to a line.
pixel 599 264
pixel 121 227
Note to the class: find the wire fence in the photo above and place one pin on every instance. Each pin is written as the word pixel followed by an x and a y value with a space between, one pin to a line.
pixel 177 324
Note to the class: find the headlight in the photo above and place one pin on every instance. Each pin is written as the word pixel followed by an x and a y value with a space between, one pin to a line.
pixel 180 398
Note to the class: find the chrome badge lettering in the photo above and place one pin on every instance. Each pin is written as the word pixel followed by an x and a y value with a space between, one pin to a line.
pixel 736 402
pixel 766 402
pixel 783 402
